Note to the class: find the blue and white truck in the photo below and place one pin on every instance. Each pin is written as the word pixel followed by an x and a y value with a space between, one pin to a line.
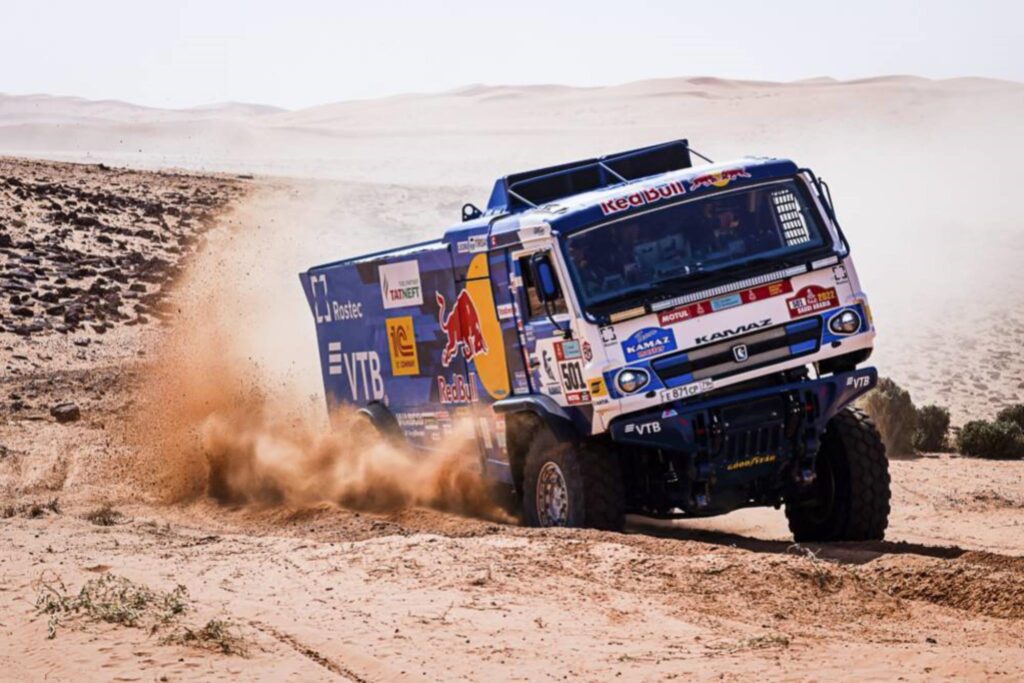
pixel 634 333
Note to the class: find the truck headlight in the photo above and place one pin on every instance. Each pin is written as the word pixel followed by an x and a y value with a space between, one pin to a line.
pixel 846 322
pixel 632 380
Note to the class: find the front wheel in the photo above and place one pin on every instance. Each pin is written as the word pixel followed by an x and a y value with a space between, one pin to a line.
pixel 572 485
pixel 849 500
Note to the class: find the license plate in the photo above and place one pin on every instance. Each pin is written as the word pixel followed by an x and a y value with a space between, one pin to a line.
pixel 687 390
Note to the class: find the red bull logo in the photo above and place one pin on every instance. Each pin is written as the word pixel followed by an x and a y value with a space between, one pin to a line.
pixel 650 195
pixel 461 327
pixel 718 179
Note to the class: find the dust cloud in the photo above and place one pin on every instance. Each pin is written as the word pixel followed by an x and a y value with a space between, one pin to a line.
pixel 233 409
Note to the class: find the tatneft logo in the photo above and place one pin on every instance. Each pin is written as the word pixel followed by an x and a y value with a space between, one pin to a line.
pixel 400 284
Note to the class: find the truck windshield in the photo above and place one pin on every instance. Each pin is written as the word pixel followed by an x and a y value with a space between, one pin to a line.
pixel 679 246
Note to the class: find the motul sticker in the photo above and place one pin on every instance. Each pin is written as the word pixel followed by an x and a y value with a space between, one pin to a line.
pixel 747 296
pixel 812 299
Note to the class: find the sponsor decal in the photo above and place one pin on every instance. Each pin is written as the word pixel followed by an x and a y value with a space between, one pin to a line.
pixel 361 368
pixel 724 302
pixel 671 412
pixel 747 296
pixel 567 350
pixel 318 288
pixel 718 178
pixel 505 311
pixel 402 346
pixel 812 299
pixel 740 353
pixel 348 310
pixel 643 428
pixel 461 327
pixel 573 384
pixel 858 382
pixel 400 284
pixel 474 244
pixel 597 387
pixel 688 390
pixel 648 342
pixel 840 274
pixel 608 337
pixel 751 462
pixel 545 362
pixel 519 383
pixel 588 352
pixel 458 389
pixel 725 334
pixel 651 195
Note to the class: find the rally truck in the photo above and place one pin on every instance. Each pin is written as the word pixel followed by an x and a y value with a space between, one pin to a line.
pixel 644 333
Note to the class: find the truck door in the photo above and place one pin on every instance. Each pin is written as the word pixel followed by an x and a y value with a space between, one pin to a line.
pixel 555 363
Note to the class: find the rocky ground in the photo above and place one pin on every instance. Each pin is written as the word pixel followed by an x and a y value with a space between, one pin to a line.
pixel 312 591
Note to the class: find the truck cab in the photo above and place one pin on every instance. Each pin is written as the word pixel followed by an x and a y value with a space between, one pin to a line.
pixel 633 333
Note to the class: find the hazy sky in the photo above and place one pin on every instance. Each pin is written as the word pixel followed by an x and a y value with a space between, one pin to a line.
pixel 297 53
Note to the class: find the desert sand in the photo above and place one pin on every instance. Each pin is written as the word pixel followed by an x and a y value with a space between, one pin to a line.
pixel 197 337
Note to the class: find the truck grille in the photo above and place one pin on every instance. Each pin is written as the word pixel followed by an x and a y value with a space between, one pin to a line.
pixel 764 347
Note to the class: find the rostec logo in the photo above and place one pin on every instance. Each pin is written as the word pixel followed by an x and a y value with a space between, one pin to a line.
pixel 648 196
pixel 718 179
pixel 402 345
pixel 461 328
pixel 400 284
pixel 725 334
pixel 740 353
pixel 644 428
pixel 356 366
pixel 350 310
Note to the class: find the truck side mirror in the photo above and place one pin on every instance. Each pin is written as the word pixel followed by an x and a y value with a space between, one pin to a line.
pixel 544 277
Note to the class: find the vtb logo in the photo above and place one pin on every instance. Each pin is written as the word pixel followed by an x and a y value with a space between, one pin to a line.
pixel 740 353
pixel 461 327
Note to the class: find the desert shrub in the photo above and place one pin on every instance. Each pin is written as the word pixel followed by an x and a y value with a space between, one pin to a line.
pixel 893 412
pixel 105 515
pixel 1014 414
pixel 932 427
pixel 999 439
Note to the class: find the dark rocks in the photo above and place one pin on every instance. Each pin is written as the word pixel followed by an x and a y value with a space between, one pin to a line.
pixel 66 412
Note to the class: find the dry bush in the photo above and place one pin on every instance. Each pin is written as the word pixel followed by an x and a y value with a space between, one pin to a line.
pixel 1013 414
pixel 105 515
pixel 932 429
pixel 894 414
pixel 116 600
pixel 999 440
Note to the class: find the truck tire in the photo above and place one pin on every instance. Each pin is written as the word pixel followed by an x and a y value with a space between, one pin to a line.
pixel 849 500
pixel 572 485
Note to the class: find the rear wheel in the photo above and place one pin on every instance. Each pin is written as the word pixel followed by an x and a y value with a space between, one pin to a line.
pixel 572 485
pixel 849 500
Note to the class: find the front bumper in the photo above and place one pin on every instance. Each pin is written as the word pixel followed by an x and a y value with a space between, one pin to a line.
pixel 677 424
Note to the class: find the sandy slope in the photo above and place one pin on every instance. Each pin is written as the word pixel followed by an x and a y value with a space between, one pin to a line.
pixel 322 593
pixel 924 175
